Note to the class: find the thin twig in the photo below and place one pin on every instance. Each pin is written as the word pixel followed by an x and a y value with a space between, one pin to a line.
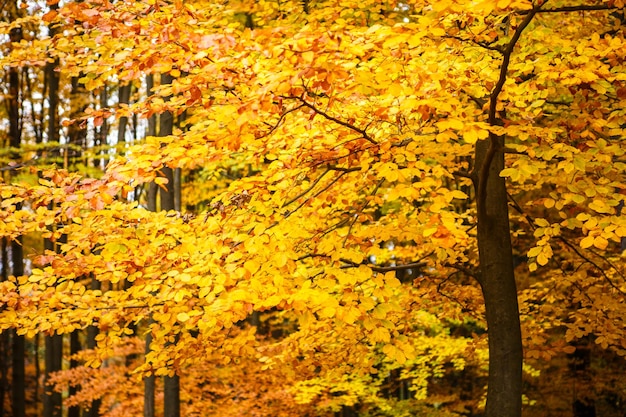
pixel 278 122
pixel 305 192
pixel 330 184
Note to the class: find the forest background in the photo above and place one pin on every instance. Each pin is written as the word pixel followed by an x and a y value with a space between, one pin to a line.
pixel 313 208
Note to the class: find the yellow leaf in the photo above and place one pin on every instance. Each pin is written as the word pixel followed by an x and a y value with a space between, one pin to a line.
pixel 542 259
pixel 513 173
pixel 182 317
pixel 437 31
pixel 587 242
pixel 600 242
pixel 380 334
pixel 395 90
pixel 251 266
pixel 503 4
pixel 391 281
pixel 459 194
pixel 533 252
pixel 456 124
pixel 308 57
pixel 328 312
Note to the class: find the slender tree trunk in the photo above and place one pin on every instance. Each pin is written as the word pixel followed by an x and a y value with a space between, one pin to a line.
pixel 36 343
pixel 149 382
pixel 13 101
pixel 53 362
pixel 497 280
pixel 124 98
pixel 77 141
pixel 171 396
pixel 171 386
pixel 52 401
pixel 76 132
pixel 4 370
pixel 5 341
pixel 583 402
pixel 18 349
pixel 74 348
pixel 166 126
pixel 52 76
pixel 18 382
pixel 92 332
pixel 18 352
pixel 495 255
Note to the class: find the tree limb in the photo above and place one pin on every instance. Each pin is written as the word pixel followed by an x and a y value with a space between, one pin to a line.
pixel 483 175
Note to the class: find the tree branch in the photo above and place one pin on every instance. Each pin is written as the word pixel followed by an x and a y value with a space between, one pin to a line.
pixel 382 269
pixel 326 187
pixel 494 146
pixel 355 216
pixel 327 116
pixel 567 9
pixel 305 192
pixel 279 121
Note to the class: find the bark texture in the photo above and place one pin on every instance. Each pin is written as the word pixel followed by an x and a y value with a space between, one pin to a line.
pixel 497 279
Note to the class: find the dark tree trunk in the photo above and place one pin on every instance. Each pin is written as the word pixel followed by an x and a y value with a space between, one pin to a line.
pixel 4 338
pixel 580 363
pixel 92 332
pixel 18 353
pixel 52 401
pixel 166 126
pixel 495 255
pixel 149 382
pixel 124 98
pixel 18 349
pixel 53 362
pixel 74 348
pixel 36 343
pixel 171 396
pixel 171 385
pixel 76 132
pixel 52 77
pixel 497 279
pixel 13 102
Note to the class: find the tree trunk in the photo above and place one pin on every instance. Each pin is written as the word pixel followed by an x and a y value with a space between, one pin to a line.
pixel 124 98
pixel 74 348
pixel 497 280
pixel 149 382
pixel 18 349
pixel 171 385
pixel 171 396
pixel 92 332
pixel 52 401
pixel 13 105
pixel 583 401
pixel 52 77
pixel 166 126
pixel 4 337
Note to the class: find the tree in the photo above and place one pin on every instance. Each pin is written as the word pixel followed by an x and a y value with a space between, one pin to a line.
pixel 342 147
